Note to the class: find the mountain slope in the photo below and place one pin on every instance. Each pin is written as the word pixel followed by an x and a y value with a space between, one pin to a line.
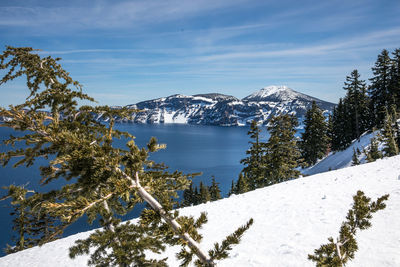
pixel 225 110
pixel 291 219
pixel 344 158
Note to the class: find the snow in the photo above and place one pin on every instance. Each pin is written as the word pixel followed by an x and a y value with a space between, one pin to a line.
pixel 291 219
pixel 341 159
pixel 281 92
pixel 205 99
pixel 269 90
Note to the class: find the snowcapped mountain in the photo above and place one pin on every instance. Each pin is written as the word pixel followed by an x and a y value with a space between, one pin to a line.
pixel 291 219
pixel 225 110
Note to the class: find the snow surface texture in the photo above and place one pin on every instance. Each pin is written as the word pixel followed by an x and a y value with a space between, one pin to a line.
pixel 341 159
pixel 291 219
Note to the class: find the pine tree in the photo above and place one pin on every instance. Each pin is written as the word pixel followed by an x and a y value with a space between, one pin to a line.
pixel 215 192
pixel 373 153
pixel 337 253
pixel 341 133
pixel 388 137
pixel 104 180
pixel 242 186
pixel 254 169
pixel 314 140
pixel 31 227
pixel 188 196
pixel 204 193
pixel 395 77
pixel 357 103
pixel 355 160
pixel 282 154
pixel 232 191
pixel 379 90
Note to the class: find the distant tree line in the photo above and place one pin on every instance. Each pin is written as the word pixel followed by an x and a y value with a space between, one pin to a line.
pixel 203 194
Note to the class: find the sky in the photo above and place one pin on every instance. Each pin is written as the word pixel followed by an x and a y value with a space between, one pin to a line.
pixel 123 52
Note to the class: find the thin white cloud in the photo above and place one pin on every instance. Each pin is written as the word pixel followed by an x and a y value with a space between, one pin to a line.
pixel 368 40
pixel 108 14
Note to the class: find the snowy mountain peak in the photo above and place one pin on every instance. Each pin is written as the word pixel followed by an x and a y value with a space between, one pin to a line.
pixel 274 92
pixel 272 89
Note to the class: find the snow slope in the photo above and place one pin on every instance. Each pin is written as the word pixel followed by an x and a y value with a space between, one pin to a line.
pixel 291 219
pixel 341 159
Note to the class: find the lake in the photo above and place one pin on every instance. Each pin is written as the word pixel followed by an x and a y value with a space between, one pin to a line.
pixel 211 150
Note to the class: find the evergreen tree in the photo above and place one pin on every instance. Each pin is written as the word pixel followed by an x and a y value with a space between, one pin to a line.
pixel 357 104
pixel 388 137
pixel 329 131
pixel 232 191
pixel 188 196
pixel 373 152
pixel 196 199
pixel 204 193
pixel 282 154
pixel 341 133
pixel 314 140
pixel 31 227
pixel 254 169
pixel 242 185
pixel 104 180
pixel 215 192
pixel 355 160
pixel 337 253
pixel 379 90
pixel 395 77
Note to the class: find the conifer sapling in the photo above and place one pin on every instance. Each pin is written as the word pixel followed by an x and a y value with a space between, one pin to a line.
pixel 338 252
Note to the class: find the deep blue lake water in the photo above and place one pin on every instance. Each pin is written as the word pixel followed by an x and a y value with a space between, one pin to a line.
pixel 211 150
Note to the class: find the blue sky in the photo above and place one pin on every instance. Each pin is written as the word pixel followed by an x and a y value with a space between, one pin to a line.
pixel 128 51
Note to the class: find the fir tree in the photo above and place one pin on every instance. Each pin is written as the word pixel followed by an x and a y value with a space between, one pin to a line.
pixel 254 169
pixel 341 133
pixel 388 137
pixel 338 252
pixel 242 186
pixel 204 193
pixel 395 77
pixel 314 140
pixel 104 180
pixel 232 191
pixel 282 154
pixel 196 196
pixel 32 227
pixel 355 160
pixel 379 91
pixel 373 153
pixel 215 192
pixel 357 104
pixel 396 128
pixel 188 196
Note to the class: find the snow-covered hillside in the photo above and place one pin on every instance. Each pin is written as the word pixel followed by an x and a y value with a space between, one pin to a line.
pixel 341 159
pixel 291 219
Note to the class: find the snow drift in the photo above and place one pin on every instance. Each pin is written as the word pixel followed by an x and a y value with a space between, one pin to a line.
pixel 291 219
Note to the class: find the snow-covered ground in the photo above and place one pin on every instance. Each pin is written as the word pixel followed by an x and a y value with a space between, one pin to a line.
pixel 341 159
pixel 291 219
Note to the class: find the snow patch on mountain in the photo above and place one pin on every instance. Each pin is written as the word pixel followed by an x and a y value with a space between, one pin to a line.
pixel 291 219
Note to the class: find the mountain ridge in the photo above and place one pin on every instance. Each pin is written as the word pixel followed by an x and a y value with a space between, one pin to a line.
pixel 222 110
pixel 226 110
